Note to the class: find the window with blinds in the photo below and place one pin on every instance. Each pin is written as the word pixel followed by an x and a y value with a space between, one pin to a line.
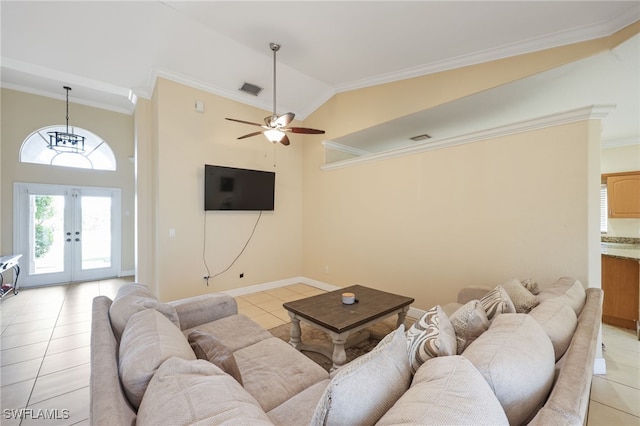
pixel 603 208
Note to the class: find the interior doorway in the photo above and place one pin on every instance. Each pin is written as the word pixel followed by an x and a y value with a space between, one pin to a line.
pixel 66 233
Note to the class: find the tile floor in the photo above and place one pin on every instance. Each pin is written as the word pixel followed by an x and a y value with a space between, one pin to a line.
pixel 45 336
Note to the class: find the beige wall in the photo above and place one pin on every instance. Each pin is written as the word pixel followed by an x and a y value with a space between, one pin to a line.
pixel 24 113
pixel 622 159
pixel 186 140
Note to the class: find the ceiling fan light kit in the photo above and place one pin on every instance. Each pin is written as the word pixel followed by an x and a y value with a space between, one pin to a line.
pixel 275 126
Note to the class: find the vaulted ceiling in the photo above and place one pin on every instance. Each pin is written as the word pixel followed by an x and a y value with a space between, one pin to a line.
pixel 111 52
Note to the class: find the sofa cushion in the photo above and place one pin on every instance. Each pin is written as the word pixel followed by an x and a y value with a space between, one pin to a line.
pixel 497 302
pixel 207 347
pixel 516 358
pixel 299 409
pixel 132 298
pixel 558 320
pixel 523 300
pixel 447 390
pixel 431 336
pixel 566 286
pixel 273 371
pixel 148 340
pixel 188 392
pixel 227 332
pixel 469 322
pixel 366 388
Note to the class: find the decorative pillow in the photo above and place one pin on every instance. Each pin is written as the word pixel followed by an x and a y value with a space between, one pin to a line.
pixel 148 340
pixel 431 336
pixel 559 322
pixel 197 392
pixel 208 347
pixel 522 299
pixel 366 388
pixel 516 358
pixel 469 322
pixel 566 286
pixel 497 302
pixel 531 285
pixel 132 298
pixel 447 391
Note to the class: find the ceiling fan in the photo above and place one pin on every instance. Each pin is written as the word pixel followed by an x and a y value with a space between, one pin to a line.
pixel 275 126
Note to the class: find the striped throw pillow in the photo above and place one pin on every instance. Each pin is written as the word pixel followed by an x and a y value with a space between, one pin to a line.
pixel 429 337
pixel 497 302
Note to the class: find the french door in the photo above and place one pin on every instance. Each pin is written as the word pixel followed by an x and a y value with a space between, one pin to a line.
pixel 66 233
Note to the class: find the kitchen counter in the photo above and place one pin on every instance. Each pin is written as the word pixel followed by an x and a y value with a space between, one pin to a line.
pixel 621 250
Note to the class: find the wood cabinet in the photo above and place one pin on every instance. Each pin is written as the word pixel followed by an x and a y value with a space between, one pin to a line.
pixel 623 195
pixel 621 285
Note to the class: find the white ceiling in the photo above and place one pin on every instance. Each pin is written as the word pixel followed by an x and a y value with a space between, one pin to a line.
pixel 109 51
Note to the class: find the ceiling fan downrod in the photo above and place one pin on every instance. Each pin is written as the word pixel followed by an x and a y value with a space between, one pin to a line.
pixel 274 47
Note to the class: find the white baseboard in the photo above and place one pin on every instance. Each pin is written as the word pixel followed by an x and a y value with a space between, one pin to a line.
pixel 599 366
pixel 130 273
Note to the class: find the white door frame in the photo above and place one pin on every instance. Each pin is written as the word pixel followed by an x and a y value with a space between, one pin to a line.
pixel 73 270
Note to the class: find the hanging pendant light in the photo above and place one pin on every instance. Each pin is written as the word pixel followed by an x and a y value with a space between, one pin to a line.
pixel 65 141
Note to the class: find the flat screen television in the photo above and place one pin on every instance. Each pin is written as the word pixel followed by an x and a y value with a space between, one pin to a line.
pixel 230 188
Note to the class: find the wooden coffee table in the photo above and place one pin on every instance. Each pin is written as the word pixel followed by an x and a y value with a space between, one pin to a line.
pixel 326 312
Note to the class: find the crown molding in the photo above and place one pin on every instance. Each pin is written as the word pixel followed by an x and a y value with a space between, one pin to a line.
pixel 565 117
pixel 561 38
pixel 344 148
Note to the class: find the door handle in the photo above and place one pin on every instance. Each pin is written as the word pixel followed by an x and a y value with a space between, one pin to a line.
pixel 77 239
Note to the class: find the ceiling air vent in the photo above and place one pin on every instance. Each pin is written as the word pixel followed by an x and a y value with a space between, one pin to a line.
pixel 420 137
pixel 251 89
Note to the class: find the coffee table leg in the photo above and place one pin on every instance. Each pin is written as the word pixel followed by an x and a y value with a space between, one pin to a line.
pixel 296 332
pixel 402 315
pixel 339 354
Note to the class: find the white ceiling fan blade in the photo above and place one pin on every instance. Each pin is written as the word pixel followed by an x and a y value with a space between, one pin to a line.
pixel 285 119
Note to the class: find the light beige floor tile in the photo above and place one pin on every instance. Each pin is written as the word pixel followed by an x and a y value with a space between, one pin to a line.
pixel 19 372
pixel 16 396
pixel 281 293
pixel 292 297
pixel 69 342
pixel 70 329
pixel 623 374
pixel 9 342
pixel 27 327
pixel 615 395
pixel 622 357
pixel 268 321
pixel 281 313
pixel 241 302
pixel 271 305
pixel 34 316
pixel 300 288
pixel 251 310
pixel 313 292
pixel 76 403
pixel 23 353
pixel 69 318
pixel 602 415
pixel 257 298
pixel 66 359
pixel 61 382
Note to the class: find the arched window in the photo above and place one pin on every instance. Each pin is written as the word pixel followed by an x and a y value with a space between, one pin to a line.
pixel 97 153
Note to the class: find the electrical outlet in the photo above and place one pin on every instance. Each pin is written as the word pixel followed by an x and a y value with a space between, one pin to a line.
pixel 242 275
pixel 326 269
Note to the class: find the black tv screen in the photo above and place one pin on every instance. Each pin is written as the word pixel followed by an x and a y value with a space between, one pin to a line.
pixel 229 188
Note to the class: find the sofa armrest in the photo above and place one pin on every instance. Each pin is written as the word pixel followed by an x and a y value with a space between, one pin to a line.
pixel 569 399
pixel 468 294
pixel 108 403
pixel 198 310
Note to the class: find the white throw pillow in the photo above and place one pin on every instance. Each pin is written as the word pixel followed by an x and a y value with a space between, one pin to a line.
pixel 559 322
pixel 431 336
pixel 197 392
pixel 148 340
pixel 469 322
pixel 366 388
pixel 566 286
pixel 523 300
pixel 497 302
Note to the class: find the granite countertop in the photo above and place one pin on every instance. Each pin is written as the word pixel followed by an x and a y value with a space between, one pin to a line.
pixel 621 250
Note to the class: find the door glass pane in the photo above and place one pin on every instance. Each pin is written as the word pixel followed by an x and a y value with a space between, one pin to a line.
pixel 96 232
pixel 47 233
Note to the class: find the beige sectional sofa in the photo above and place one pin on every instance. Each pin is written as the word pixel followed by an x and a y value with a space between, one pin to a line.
pixel 197 360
